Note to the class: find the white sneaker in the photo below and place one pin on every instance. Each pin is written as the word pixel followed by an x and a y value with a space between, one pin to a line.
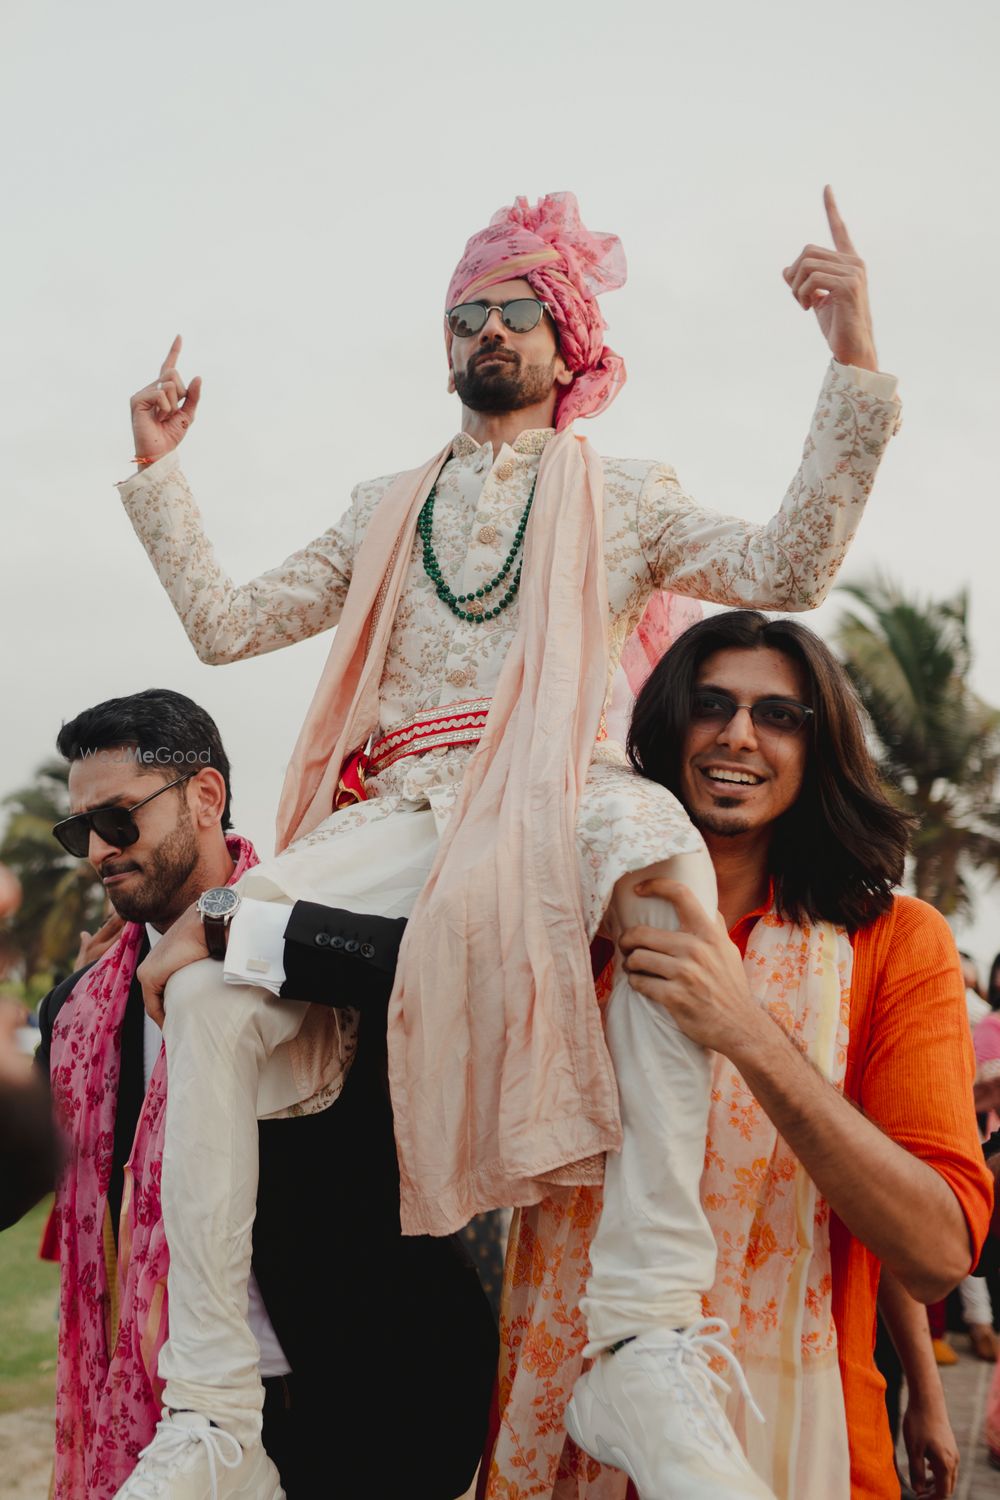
pixel 189 1459
pixel 651 1410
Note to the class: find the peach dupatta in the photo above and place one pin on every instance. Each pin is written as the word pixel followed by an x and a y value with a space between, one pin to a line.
pixel 501 1081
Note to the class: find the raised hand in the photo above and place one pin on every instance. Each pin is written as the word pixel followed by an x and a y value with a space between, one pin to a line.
pixel 834 285
pixel 163 411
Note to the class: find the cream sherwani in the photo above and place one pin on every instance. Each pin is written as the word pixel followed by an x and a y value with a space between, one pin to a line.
pixel 655 537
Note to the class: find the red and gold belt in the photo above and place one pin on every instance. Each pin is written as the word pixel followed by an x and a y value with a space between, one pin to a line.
pixel 450 724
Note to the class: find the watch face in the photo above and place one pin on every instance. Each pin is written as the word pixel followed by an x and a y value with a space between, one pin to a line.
pixel 222 901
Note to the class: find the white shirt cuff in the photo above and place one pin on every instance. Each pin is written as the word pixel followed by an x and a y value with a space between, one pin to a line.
pixel 255 951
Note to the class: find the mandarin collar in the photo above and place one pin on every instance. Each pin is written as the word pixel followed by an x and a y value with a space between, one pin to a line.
pixel 529 443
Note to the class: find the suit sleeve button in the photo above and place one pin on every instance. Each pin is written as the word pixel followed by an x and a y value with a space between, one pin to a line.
pixel 336 941
pixel 321 939
pixel 352 945
pixel 367 950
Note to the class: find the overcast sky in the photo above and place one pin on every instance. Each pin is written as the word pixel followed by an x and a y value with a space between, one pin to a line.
pixel 289 185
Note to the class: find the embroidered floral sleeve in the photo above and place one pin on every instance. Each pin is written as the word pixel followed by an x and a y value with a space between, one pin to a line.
pixel 225 621
pixel 789 563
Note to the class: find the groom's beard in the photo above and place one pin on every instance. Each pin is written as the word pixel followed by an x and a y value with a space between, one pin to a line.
pixel 506 385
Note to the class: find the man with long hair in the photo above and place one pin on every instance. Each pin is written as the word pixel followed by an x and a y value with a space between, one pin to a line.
pixel 481 603
pixel 841 1133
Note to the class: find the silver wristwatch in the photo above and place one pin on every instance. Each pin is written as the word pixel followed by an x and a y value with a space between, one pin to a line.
pixel 217 907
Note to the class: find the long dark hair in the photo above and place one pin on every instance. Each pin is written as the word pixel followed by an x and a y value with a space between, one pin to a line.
pixel 840 850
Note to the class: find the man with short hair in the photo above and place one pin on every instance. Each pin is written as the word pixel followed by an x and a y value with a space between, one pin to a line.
pixel 841 1134
pixel 150 797
pixel 450 771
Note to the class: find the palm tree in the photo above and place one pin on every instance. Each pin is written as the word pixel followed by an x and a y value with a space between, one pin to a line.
pixel 939 743
pixel 61 895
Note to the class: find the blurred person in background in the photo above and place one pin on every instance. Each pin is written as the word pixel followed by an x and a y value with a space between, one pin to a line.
pixel 991 1095
pixel 977 1006
pixel 993 985
pixel 29 1148
pixel 973 1292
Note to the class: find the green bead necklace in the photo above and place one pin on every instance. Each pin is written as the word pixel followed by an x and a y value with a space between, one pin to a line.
pixel 473 607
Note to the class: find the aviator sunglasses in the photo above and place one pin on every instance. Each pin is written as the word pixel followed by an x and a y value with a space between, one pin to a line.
pixel 520 315
pixel 113 825
pixel 769 715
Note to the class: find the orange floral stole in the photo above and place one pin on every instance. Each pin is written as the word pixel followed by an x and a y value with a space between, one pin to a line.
pixel 773 1282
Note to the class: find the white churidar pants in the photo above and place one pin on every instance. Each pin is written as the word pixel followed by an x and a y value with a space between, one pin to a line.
pixel 226 1068
pixel 653 1254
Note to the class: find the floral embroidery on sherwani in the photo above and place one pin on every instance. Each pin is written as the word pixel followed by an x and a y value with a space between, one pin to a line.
pixel 655 537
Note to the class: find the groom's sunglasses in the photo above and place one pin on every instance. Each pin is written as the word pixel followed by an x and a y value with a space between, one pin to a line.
pixel 520 316
pixel 113 825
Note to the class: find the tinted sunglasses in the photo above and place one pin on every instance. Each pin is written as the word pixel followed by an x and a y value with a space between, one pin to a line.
pixel 520 315
pixel 769 715
pixel 113 825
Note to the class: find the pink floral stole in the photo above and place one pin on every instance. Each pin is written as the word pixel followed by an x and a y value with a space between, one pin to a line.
pixel 773 1283
pixel 107 1390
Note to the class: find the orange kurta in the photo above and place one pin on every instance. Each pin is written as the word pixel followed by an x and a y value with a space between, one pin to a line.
pixel 910 1067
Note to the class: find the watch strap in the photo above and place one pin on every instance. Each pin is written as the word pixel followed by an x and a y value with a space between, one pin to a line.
pixel 215 935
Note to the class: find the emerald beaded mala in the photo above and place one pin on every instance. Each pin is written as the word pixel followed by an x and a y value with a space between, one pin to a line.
pixel 479 605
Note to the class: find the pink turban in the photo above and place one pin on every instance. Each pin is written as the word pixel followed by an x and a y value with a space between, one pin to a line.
pixel 566 265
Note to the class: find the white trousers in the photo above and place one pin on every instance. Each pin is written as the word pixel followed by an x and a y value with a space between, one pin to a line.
pixel 226 1068
pixel 653 1254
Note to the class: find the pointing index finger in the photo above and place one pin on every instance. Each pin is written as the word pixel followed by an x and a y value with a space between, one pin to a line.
pixel 690 913
pixel 173 356
pixel 838 229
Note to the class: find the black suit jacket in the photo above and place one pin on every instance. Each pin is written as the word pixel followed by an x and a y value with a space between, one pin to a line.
pixel 381 1330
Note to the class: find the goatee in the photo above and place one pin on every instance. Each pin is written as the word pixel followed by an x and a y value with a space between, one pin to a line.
pixel 505 385
pixel 717 823
pixel 157 896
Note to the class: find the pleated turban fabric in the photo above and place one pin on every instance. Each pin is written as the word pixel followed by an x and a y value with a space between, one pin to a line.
pixel 567 266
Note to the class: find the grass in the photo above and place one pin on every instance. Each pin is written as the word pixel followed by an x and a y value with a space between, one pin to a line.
pixel 29 1295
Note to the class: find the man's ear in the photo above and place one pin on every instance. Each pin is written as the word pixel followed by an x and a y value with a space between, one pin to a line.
pixel 208 796
pixel 564 376
pixel 448 341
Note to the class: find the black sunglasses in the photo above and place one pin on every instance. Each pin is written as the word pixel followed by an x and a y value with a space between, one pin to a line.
pixel 770 715
pixel 114 825
pixel 520 315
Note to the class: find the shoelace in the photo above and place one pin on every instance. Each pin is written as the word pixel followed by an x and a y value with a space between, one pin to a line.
pixel 696 1346
pixel 169 1444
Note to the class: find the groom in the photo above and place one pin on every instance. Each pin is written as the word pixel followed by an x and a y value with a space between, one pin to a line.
pixel 490 594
